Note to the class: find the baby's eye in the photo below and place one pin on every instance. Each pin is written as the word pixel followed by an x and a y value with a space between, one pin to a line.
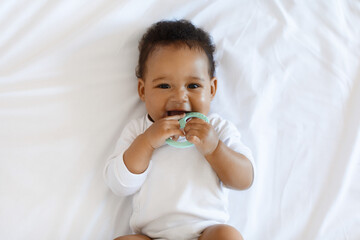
pixel 163 86
pixel 193 85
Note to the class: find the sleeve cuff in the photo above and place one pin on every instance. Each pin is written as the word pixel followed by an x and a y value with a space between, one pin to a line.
pixel 127 178
pixel 120 180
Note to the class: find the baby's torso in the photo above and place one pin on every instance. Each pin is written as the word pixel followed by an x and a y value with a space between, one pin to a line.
pixel 181 189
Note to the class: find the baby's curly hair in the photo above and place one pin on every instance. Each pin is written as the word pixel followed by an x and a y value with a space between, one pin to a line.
pixel 178 32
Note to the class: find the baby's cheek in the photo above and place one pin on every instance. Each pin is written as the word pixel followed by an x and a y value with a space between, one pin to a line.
pixel 202 103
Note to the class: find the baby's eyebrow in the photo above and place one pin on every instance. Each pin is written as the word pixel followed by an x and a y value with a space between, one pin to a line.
pixel 162 78
pixel 196 78
pixel 158 79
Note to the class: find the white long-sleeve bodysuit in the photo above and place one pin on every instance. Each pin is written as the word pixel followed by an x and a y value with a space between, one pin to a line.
pixel 179 194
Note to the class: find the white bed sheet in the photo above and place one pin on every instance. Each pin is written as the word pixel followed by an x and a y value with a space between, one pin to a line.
pixel 289 78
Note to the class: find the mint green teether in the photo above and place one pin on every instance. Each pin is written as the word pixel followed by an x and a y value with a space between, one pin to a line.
pixel 182 122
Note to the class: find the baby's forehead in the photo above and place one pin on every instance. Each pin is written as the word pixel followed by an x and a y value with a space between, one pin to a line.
pixel 161 54
pixel 167 56
pixel 177 46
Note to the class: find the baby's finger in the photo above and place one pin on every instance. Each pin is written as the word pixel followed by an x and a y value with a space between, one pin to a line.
pixel 203 127
pixel 193 139
pixel 195 120
pixel 192 126
pixel 191 133
pixel 176 132
pixel 175 138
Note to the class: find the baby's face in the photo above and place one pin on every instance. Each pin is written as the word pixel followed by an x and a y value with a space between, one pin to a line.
pixel 176 81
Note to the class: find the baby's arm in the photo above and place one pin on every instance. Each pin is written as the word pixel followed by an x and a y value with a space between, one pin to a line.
pixel 233 168
pixel 138 155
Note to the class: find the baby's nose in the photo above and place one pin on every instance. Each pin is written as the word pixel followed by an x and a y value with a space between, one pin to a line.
pixel 180 95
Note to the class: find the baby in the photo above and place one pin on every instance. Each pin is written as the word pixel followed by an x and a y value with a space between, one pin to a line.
pixel 178 193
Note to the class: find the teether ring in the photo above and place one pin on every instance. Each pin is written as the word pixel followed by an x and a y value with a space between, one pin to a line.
pixel 182 122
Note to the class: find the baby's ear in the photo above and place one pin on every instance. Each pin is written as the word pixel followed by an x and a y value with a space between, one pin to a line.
pixel 213 87
pixel 141 89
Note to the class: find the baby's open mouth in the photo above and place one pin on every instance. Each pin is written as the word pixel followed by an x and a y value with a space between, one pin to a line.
pixel 176 112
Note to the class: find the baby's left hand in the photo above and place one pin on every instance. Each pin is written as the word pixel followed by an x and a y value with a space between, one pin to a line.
pixel 202 135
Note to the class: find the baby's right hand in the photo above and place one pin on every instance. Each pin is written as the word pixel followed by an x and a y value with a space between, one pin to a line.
pixel 163 129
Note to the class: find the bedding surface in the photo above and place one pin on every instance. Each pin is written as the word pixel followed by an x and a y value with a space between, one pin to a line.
pixel 288 78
